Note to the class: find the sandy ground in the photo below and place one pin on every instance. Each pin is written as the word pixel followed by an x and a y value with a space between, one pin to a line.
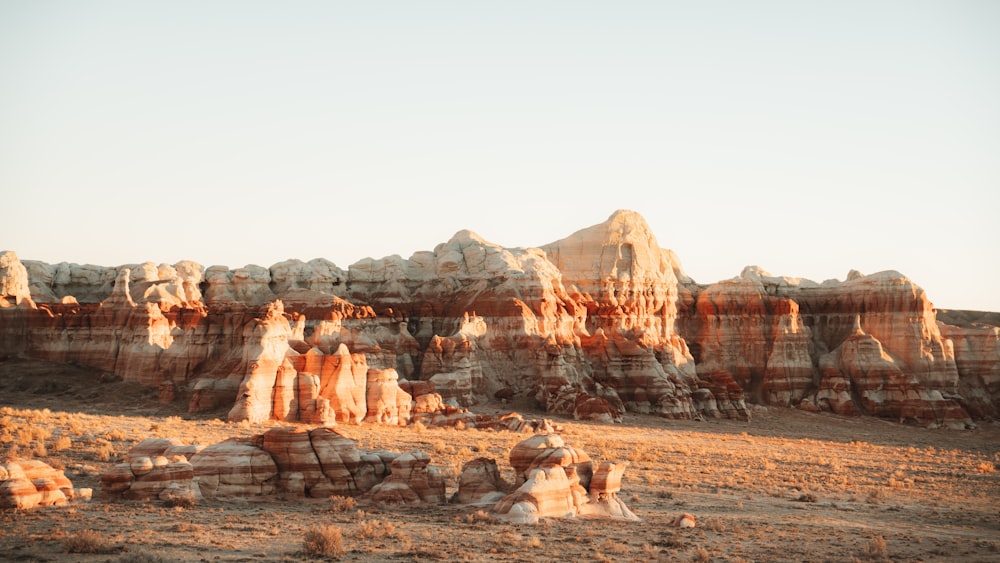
pixel 789 486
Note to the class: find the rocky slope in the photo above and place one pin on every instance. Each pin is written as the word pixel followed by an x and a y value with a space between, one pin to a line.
pixel 601 322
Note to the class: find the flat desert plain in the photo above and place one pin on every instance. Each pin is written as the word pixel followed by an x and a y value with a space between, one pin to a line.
pixel 787 486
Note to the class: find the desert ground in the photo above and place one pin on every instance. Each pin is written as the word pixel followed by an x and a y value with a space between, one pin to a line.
pixel 788 486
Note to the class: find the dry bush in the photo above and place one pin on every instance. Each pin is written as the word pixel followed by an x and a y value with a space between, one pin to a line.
pixel 340 504
pixel 986 467
pixel 701 555
pixel 479 516
pixel 188 528
pixel 372 529
pixel 324 541
pixel 876 496
pixel 104 452
pixel 876 550
pixel 610 545
pixel 181 501
pixel 89 541
pixel 116 435
pixel 61 443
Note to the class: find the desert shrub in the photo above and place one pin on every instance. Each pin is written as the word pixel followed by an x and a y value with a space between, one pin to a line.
pixel 180 501
pixel 701 555
pixel 104 452
pixel 807 497
pixel 876 550
pixel 324 541
pixel 876 496
pixel 376 529
pixel 88 541
pixel 116 435
pixel 986 467
pixel 479 516
pixel 342 504
pixel 62 443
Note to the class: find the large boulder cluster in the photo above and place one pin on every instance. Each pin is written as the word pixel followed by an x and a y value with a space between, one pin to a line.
pixel 554 480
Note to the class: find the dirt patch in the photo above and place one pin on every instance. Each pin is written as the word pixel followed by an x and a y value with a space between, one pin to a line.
pixel 788 486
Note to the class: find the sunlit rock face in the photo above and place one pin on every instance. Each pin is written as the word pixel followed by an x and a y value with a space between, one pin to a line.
pixel 975 339
pixel 596 325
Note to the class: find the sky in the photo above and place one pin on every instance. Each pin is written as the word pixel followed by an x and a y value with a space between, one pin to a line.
pixel 809 138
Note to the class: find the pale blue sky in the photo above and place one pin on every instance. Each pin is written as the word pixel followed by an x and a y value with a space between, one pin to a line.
pixel 806 137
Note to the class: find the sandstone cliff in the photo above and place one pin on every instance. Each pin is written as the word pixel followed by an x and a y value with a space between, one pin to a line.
pixel 594 325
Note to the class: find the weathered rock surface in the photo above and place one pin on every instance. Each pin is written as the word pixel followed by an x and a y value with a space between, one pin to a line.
pixel 29 483
pixel 156 468
pixel 558 481
pixel 293 462
pixel 480 483
pixel 594 325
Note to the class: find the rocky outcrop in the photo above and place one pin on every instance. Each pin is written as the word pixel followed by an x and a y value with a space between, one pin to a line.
pixel 480 483
pixel 597 324
pixel 155 468
pixel 558 481
pixel 29 483
pixel 411 481
pixel 975 339
pixel 292 462
pixel 13 279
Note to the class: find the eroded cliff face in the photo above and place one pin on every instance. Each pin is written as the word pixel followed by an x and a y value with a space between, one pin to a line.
pixel 601 322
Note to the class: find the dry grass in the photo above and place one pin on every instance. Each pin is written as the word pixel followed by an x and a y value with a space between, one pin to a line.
pixel 89 541
pixel 324 541
pixel 930 493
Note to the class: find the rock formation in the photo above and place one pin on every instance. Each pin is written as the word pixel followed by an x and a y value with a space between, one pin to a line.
pixel 594 325
pixel 558 481
pixel 29 483
pixel 293 462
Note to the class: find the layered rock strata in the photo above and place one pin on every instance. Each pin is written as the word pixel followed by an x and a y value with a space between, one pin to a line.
pixel 559 481
pixel 597 324
pixel 29 483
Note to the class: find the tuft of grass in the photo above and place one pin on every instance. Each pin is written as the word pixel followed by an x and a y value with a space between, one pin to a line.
pixel 340 504
pixel 61 443
pixel 876 550
pixel 89 541
pixel 376 529
pixel 324 541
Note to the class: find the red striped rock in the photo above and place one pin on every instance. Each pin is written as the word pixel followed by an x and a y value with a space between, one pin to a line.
pixel 411 481
pixel 546 450
pixel 387 403
pixel 344 380
pixel 480 482
pixel 35 469
pixel 341 464
pixel 234 469
pixel 16 490
pixel 29 483
pixel 548 492
pixel 169 475
pixel 49 492
pixel 604 488
pixel 118 479
pixel 298 467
